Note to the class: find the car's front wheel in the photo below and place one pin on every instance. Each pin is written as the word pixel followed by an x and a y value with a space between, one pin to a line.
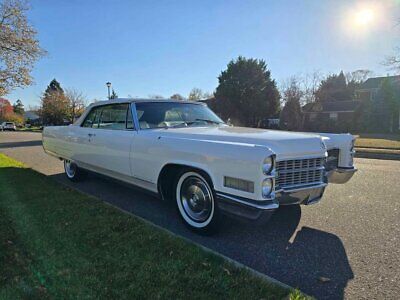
pixel 73 172
pixel 196 202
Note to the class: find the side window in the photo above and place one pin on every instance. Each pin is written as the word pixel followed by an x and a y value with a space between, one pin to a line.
pixel 113 117
pixel 129 119
pixel 92 119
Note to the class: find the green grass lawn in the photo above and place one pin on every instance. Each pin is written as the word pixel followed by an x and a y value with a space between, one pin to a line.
pixel 384 141
pixel 31 129
pixel 58 243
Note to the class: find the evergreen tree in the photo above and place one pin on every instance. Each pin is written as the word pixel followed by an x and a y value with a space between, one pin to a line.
pixel 113 95
pixel 53 87
pixel 246 92
pixel 335 88
pixel 55 108
pixel 18 107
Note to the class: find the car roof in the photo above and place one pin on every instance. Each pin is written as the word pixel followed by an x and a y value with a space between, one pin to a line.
pixel 142 100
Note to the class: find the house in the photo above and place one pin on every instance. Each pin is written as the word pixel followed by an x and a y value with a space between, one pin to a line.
pixel 366 112
pixel 32 117
pixel 370 89
pixel 330 115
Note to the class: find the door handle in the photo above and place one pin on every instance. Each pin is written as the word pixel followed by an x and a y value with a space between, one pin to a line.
pixel 91 134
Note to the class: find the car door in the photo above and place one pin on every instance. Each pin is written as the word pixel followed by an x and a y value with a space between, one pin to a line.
pixel 112 140
pixel 83 150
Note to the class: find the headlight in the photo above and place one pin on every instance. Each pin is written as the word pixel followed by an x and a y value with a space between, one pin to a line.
pixel 267 186
pixel 268 164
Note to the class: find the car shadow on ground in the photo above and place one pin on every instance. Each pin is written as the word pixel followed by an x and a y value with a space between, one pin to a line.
pixel 20 144
pixel 312 260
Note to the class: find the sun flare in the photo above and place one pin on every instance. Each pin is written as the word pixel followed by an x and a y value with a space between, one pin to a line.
pixel 364 17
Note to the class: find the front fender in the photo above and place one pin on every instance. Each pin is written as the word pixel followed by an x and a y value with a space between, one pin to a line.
pixel 216 158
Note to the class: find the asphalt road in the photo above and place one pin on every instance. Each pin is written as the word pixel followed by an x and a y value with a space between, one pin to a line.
pixel 352 237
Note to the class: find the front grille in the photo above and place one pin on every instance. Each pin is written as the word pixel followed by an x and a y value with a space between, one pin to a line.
pixel 299 172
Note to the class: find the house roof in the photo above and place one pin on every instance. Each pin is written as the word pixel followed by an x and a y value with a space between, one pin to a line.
pixel 376 82
pixel 332 106
pixel 31 115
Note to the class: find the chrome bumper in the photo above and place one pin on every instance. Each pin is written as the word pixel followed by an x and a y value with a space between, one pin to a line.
pixel 340 175
pixel 261 211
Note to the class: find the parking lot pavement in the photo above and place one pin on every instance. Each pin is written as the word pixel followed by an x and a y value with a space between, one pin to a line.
pixel 347 246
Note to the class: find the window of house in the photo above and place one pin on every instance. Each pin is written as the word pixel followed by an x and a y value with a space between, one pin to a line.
pixel 313 116
pixel 333 116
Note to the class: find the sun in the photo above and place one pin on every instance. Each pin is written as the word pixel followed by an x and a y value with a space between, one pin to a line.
pixel 364 17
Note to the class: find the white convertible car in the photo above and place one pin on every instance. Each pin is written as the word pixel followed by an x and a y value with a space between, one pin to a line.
pixel 182 151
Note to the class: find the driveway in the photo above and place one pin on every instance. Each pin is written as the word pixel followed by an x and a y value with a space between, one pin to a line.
pixel 351 238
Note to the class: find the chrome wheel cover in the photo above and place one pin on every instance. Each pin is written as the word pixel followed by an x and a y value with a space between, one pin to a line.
pixel 196 199
pixel 70 168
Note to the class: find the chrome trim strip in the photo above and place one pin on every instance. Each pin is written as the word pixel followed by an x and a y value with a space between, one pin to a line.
pixel 296 188
pixel 265 206
pixel 300 170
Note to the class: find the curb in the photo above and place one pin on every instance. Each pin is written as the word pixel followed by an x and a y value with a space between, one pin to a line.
pixel 376 155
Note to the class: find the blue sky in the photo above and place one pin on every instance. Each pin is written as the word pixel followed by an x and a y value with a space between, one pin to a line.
pixel 165 47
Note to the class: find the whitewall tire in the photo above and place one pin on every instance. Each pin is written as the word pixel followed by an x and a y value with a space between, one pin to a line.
pixel 195 201
pixel 73 172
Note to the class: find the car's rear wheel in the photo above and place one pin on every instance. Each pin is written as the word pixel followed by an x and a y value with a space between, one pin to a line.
pixel 195 201
pixel 73 172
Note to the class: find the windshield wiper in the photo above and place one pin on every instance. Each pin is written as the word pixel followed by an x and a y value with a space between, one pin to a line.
pixel 188 123
pixel 203 120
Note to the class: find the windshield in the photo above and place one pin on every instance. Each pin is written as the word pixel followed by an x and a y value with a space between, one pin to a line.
pixel 172 114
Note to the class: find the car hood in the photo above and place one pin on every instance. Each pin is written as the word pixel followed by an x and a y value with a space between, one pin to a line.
pixel 285 144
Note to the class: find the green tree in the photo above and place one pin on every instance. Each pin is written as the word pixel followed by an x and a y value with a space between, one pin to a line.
pixel 55 107
pixel 391 100
pixel 246 93
pixel 18 107
pixel 54 86
pixel 291 116
pixel 19 47
pixel 335 88
pixel 113 95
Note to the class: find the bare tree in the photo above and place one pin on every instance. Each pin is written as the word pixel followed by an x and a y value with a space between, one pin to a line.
pixel 19 47
pixel 291 115
pixel 358 76
pixel 310 83
pixel 195 94
pixel 177 97
pixel 393 61
pixel 77 103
